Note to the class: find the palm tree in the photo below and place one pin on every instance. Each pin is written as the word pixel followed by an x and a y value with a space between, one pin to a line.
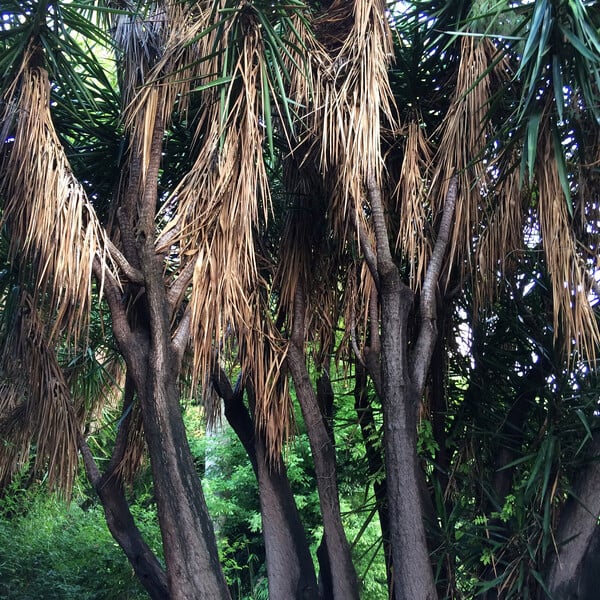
pixel 403 184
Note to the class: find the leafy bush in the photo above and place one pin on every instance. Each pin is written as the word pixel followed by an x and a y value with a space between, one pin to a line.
pixel 52 550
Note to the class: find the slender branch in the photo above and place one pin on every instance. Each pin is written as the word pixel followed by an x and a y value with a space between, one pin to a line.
pixel 179 286
pixel 181 337
pixel 355 348
pixel 167 238
pixel 367 250
pixel 91 468
pixel 112 293
pixel 145 227
pixel 374 335
pixel 133 274
pixel 297 336
pixel 428 305
pixel 384 255
pixel 120 445
pixel 126 230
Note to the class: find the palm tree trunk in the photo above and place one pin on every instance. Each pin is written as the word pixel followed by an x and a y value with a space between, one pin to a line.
pixel 413 576
pixel 344 580
pixel 190 549
pixel 153 356
pixel 289 564
pixel 573 570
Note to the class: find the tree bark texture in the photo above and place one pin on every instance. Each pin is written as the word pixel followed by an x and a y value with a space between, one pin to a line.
pixel 402 386
pixel 413 577
pixel 124 530
pixel 573 574
pixel 375 465
pixel 290 568
pixel 345 582
pixel 153 357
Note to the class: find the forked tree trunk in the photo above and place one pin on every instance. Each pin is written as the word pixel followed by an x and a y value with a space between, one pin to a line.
pixel 413 577
pixel 402 385
pixel 290 569
pixel 153 354
pixel 191 557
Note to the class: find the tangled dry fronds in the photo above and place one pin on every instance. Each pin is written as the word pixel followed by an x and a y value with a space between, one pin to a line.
pixel 51 224
pixel 36 408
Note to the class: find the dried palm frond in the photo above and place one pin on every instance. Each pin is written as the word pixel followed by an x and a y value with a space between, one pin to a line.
pixel 217 209
pixel 163 57
pixel 51 224
pixel 345 97
pixel 37 412
pixel 501 241
pixel 412 203
pixel 351 98
pixel 574 318
pixel 464 136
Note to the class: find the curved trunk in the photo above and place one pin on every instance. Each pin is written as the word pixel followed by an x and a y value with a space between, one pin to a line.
pixel 124 530
pixel 289 564
pixel 344 580
pixel 573 573
pixel 290 568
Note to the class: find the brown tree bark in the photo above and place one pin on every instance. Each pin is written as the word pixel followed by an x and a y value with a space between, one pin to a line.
pixel 153 353
pixel 119 519
pixel 402 384
pixel 573 573
pixel 290 567
pixel 344 580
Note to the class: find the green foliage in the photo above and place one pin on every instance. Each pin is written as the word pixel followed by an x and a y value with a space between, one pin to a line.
pixel 55 551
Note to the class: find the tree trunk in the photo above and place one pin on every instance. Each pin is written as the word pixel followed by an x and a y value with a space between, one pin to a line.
pixel 191 557
pixel 289 563
pixel 413 578
pixel 573 573
pixel 375 465
pixel 153 354
pixel 290 568
pixel 345 583
pixel 122 527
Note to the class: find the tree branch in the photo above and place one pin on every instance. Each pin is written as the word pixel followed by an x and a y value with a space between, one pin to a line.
pixel 133 274
pixel 167 238
pixel 181 337
pixel 120 445
pixel 179 286
pixel 428 305
pixel 91 468
pixel 367 250
pixel 384 255
pixel 112 293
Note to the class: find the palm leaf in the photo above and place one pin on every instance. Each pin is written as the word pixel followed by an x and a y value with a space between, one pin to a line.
pixel 56 231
